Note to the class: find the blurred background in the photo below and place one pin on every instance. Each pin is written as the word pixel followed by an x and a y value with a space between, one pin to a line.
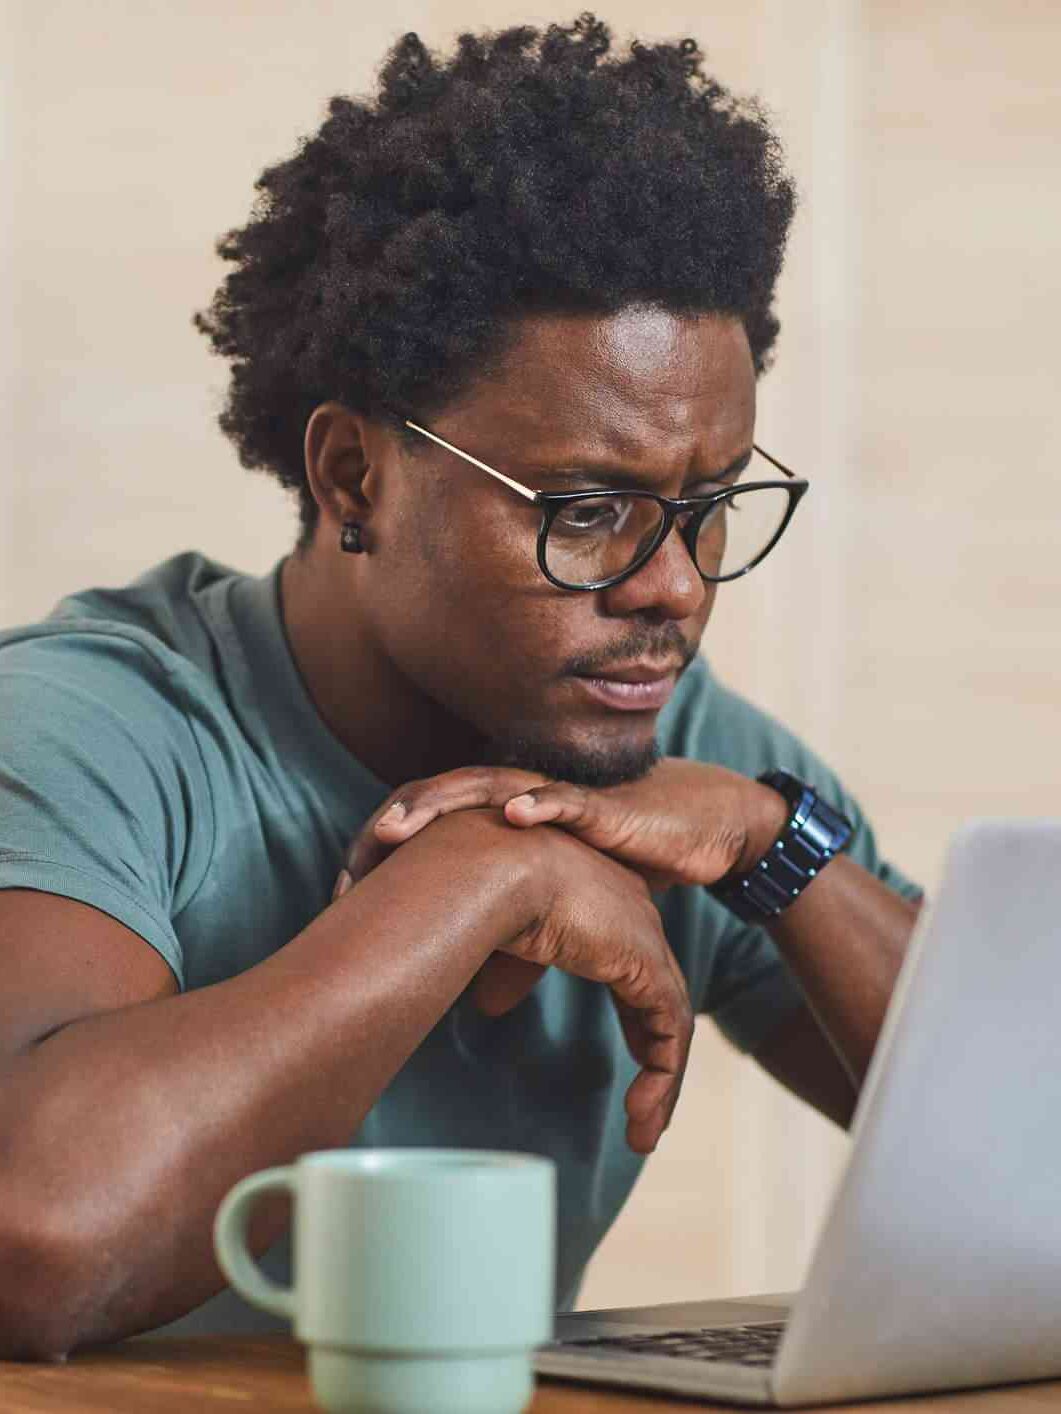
pixel 908 626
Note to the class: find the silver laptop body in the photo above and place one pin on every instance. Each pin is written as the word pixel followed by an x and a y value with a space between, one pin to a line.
pixel 939 1264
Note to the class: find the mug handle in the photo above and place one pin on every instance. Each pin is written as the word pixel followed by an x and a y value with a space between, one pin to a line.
pixel 230 1241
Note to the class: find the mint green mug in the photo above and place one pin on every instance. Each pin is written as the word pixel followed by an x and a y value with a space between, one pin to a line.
pixel 423 1277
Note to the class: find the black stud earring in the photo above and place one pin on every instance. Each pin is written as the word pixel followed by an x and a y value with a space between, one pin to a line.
pixel 350 538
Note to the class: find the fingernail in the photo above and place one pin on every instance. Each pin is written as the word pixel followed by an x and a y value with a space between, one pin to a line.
pixel 395 812
pixel 343 884
pixel 525 802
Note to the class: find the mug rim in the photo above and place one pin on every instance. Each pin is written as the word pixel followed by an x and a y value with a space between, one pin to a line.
pixel 424 1161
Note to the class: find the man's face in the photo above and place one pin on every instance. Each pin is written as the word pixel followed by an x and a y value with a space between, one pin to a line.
pixel 456 599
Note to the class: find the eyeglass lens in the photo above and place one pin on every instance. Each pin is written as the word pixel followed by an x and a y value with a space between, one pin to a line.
pixel 594 538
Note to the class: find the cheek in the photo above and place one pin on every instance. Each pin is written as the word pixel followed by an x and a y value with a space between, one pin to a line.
pixel 464 609
pixel 473 569
pixel 466 539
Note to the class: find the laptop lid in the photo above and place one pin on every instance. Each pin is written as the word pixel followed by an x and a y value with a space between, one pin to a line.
pixel 939 1265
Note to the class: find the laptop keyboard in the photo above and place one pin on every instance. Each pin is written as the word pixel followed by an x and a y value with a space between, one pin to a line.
pixel 741 1345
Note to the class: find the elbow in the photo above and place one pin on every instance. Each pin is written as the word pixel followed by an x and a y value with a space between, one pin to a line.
pixel 41 1289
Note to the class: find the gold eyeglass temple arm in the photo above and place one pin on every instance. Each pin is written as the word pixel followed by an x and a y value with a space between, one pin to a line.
pixel 523 491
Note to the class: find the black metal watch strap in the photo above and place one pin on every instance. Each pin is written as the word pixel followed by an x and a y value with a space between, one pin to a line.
pixel 814 834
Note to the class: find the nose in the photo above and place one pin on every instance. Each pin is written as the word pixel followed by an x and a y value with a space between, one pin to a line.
pixel 667 584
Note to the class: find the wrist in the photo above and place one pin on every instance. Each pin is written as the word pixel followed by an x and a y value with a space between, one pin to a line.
pixel 523 869
pixel 766 814
pixel 503 874
pixel 813 833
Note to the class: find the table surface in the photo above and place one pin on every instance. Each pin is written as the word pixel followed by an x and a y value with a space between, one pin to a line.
pixel 266 1373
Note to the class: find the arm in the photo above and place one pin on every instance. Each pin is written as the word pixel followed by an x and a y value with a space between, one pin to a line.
pixel 121 1129
pixel 688 822
pixel 845 939
pixel 798 1055
pixel 105 1225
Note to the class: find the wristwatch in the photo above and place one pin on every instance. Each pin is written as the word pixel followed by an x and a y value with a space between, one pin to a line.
pixel 814 833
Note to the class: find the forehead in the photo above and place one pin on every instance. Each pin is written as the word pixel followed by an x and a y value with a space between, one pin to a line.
pixel 642 386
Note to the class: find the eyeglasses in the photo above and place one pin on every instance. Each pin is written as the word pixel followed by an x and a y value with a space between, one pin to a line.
pixel 596 539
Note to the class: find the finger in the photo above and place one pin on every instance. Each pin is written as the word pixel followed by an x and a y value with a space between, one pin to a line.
pixel 468 788
pixel 412 806
pixel 343 884
pixel 651 998
pixel 648 1106
pixel 594 820
pixel 608 820
pixel 593 816
pixel 366 851
pixel 688 1031
pixel 650 1102
pixel 556 803
pixel 658 1038
pixel 365 854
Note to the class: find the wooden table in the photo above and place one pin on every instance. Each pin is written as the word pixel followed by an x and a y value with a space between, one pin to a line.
pixel 214 1373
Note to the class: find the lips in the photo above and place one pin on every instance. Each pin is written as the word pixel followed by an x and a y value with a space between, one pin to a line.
pixel 634 688
pixel 637 672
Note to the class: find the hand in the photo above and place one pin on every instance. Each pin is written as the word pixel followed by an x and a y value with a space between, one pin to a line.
pixel 600 923
pixel 684 823
pixel 414 805
pixel 593 918
pixel 504 980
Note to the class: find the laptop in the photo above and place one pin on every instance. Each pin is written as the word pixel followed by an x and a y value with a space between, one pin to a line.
pixel 939 1263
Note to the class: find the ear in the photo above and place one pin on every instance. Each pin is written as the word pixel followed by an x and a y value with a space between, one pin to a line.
pixel 337 459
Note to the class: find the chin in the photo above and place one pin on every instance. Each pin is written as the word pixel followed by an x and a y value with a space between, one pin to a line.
pixel 592 763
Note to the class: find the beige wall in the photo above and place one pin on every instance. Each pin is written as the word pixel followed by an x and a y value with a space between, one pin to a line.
pixel 908 631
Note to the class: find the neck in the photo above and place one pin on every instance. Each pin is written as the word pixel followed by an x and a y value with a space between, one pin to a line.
pixel 380 716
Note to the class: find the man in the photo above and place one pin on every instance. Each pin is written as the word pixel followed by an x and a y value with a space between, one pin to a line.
pixel 500 329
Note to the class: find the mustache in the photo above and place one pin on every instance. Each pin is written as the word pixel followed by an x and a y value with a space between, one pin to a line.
pixel 656 647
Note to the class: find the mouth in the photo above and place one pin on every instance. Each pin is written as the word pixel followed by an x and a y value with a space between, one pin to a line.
pixel 637 687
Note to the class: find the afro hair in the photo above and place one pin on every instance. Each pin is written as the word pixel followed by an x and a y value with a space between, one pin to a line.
pixel 385 264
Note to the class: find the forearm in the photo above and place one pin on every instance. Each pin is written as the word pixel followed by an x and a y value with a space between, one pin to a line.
pixel 845 938
pixel 120 1134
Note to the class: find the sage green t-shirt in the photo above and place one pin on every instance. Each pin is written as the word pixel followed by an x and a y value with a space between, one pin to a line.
pixel 161 760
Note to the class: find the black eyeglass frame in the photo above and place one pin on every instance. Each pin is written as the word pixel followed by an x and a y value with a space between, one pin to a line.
pixel 552 502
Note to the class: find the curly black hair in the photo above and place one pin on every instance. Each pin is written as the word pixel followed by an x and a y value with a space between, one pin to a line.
pixel 385 263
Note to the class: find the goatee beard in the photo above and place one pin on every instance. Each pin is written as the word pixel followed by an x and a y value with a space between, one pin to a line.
pixel 524 746
pixel 591 766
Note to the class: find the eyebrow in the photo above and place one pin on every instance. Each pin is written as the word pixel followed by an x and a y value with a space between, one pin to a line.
pixel 621 480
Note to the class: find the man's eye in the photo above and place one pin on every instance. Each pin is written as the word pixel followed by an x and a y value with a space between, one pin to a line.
pixel 606 515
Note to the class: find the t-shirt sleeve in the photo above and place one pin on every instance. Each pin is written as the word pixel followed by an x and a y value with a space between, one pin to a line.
pixel 103 793
pixel 749 989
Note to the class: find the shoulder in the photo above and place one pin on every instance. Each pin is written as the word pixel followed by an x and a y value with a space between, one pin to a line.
pixel 140 640
pixel 104 793
pixel 81 696
pixel 90 665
